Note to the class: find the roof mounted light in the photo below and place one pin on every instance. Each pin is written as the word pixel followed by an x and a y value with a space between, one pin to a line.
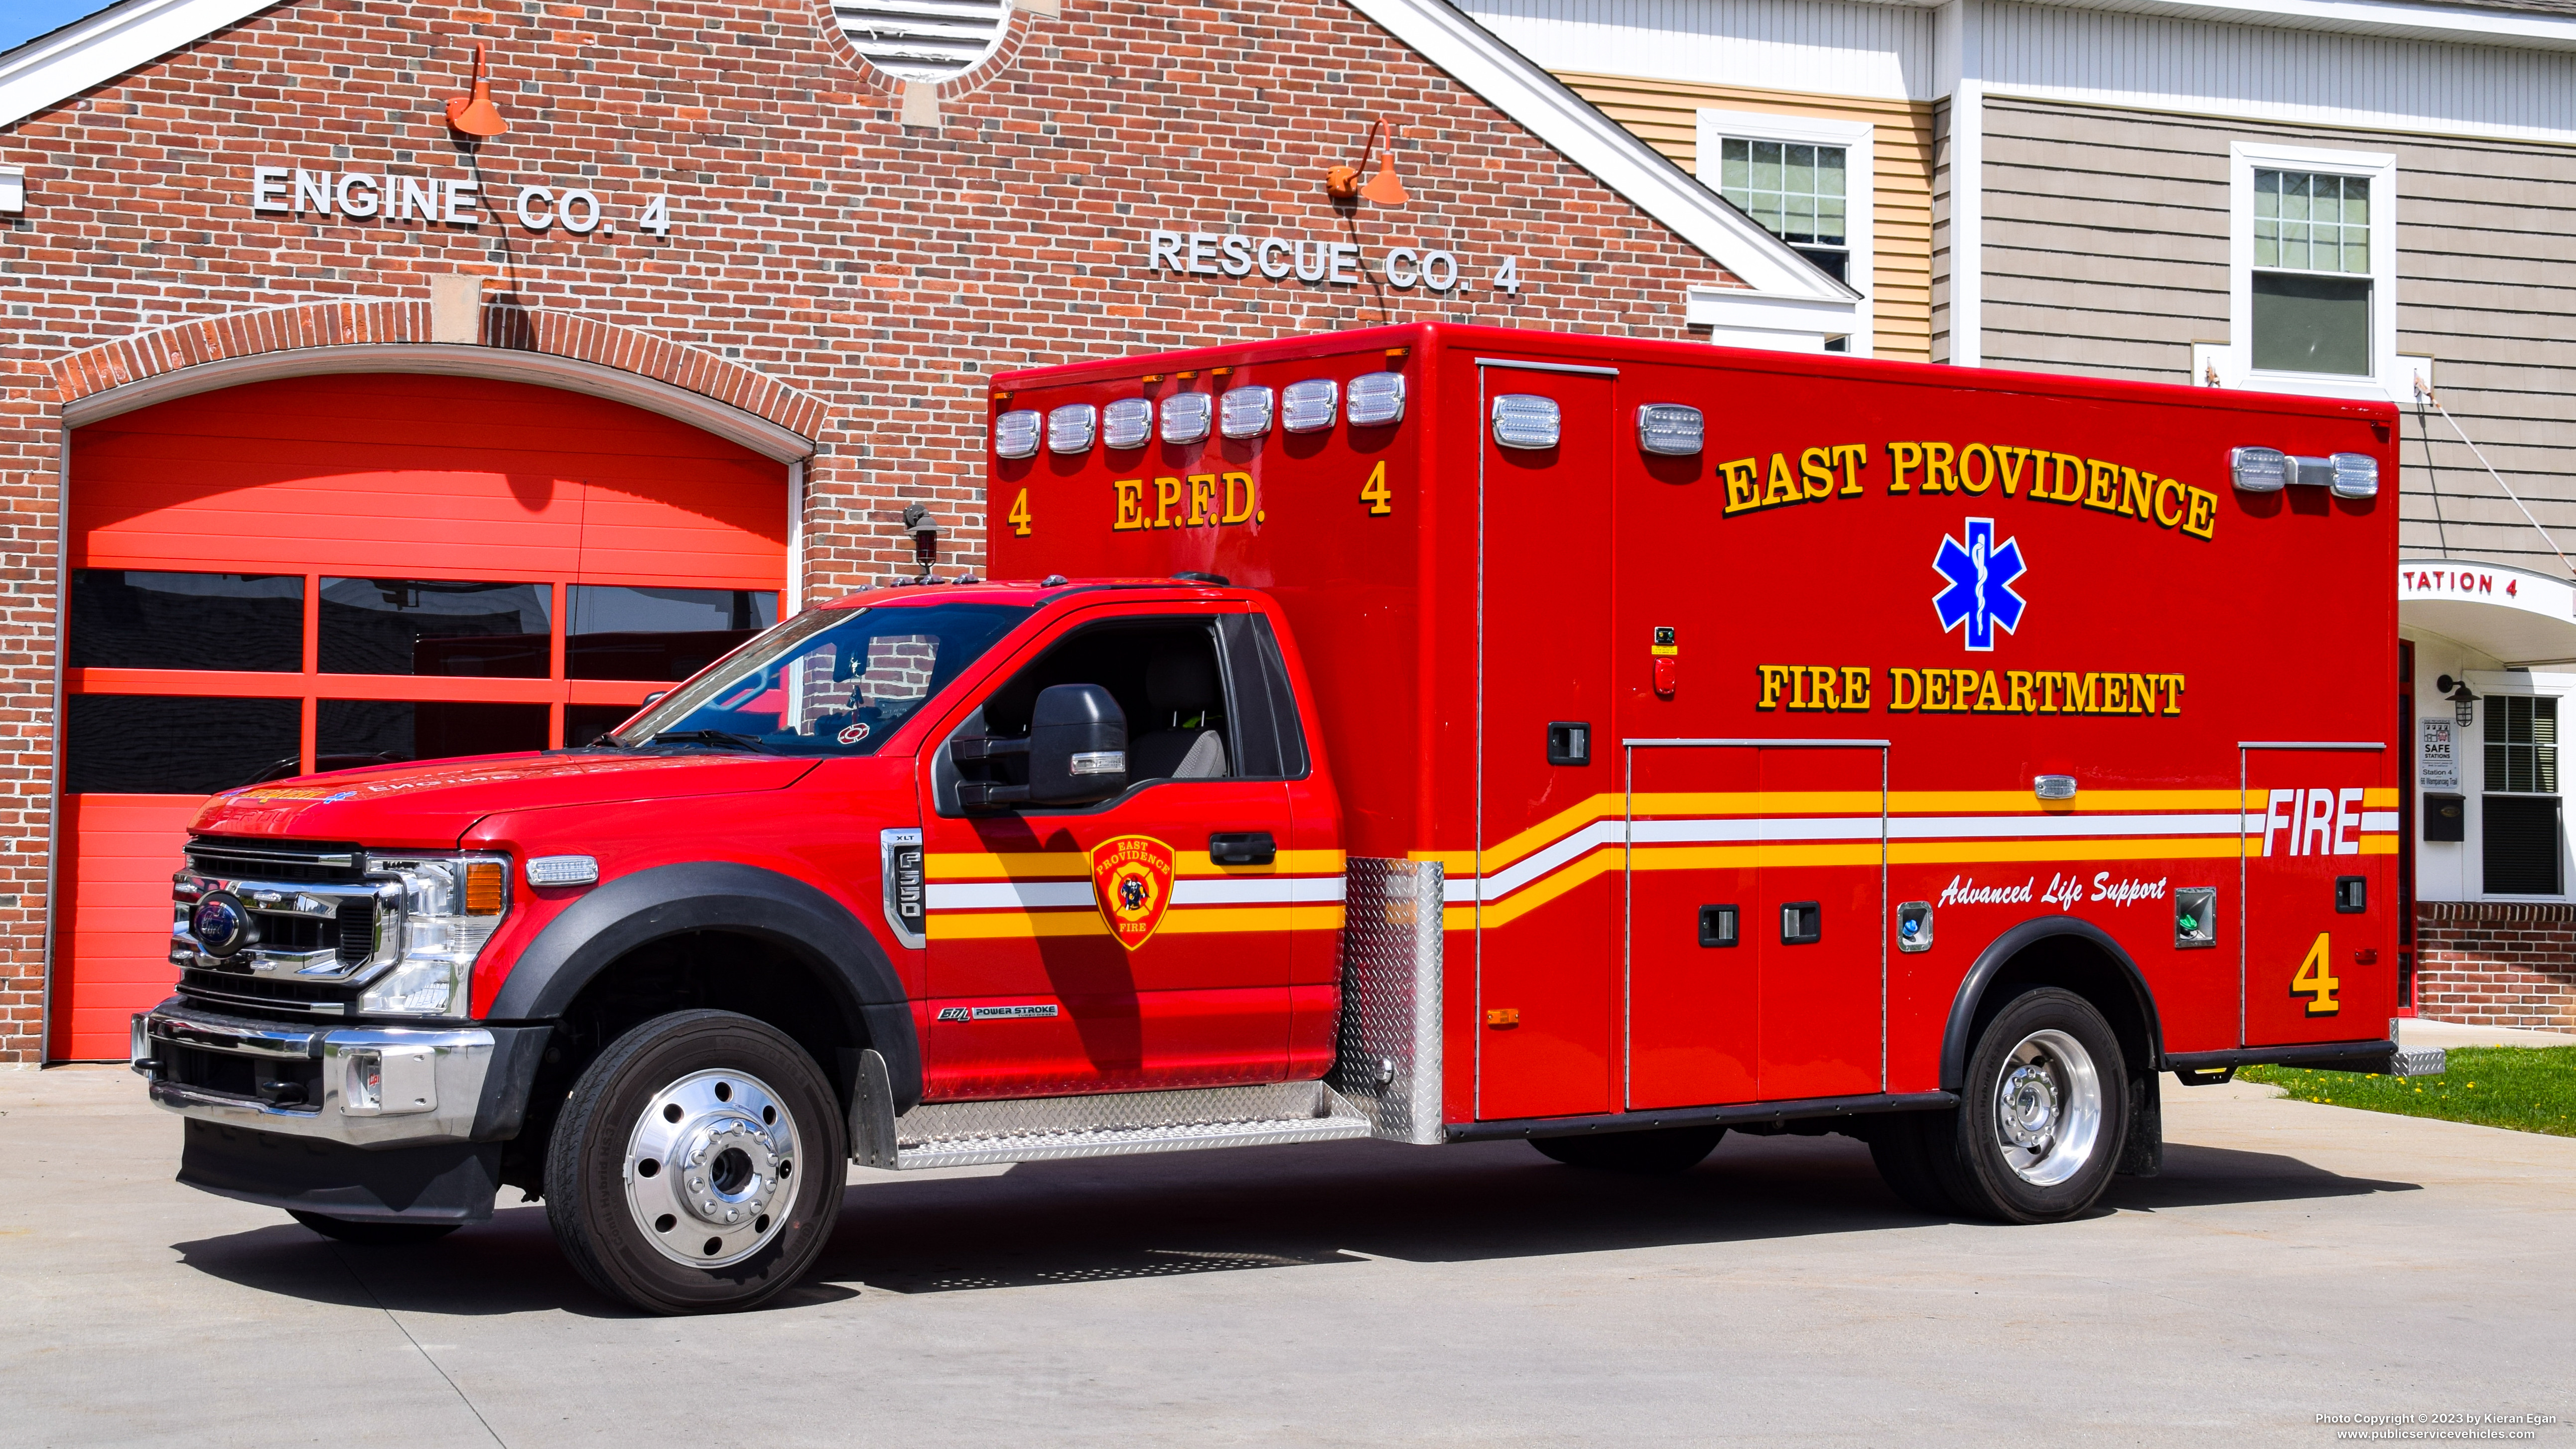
pixel 1244 412
pixel 1185 417
pixel 2356 475
pixel 1671 429
pixel 1526 421
pixel 1127 423
pixel 1308 406
pixel 1377 398
pixel 1015 434
pixel 2259 470
pixel 1071 428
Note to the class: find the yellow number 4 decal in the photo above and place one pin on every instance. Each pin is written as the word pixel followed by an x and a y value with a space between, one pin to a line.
pixel 1019 515
pixel 2316 979
pixel 1374 493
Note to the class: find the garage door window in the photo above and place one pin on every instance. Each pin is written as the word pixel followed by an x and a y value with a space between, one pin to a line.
pixel 133 619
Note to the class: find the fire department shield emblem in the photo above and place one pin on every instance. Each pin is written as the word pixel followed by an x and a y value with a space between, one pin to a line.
pixel 1131 877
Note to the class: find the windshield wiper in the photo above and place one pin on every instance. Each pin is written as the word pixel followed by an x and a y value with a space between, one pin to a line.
pixel 723 739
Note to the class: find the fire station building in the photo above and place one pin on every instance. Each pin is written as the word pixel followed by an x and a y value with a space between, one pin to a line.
pixel 357 408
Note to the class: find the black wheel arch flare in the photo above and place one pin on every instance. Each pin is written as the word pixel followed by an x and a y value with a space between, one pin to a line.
pixel 634 911
pixel 1959 1038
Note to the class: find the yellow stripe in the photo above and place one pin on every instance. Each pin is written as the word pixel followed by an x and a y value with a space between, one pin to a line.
pixel 1970 852
pixel 1073 864
pixel 2379 845
pixel 2384 795
pixel 1208 920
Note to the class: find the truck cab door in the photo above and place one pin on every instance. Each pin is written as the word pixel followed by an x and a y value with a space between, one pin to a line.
pixel 2320 953
pixel 1140 944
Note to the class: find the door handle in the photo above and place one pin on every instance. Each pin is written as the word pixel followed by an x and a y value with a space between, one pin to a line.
pixel 1250 847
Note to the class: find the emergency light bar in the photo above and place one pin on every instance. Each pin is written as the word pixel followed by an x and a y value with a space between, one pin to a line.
pixel 1308 406
pixel 1127 423
pixel 1377 398
pixel 1670 429
pixel 2269 470
pixel 1185 417
pixel 1244 412
pixel 1015 434
pixel 1071 428
pixel 1526 421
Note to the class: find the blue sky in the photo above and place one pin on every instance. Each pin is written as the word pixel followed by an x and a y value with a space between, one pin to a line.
pixel 24 20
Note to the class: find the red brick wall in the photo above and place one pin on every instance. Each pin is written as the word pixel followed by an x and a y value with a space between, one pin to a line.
pixel 882 270
pixel 2496 965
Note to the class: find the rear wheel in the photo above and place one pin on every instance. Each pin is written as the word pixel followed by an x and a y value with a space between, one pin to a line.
pixel 1670 1149
pixel 373 1234
pixel 2041 1114
pixel 697 1165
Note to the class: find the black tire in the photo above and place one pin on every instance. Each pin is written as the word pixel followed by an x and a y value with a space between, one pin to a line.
pixel 1666 1150
pixel 1901 1147
pixel 719 1063
pixel 372 1234
pixel 1974 1150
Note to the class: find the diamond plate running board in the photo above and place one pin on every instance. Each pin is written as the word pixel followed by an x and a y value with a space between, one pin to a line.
pixel 1043 1129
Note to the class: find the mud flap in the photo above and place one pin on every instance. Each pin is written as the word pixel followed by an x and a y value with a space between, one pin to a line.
pixel 871 1109
pixel 2142 1153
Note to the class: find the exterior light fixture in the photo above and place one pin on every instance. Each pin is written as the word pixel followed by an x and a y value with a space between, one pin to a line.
pixel 924 528
pixel 1343 182
pixel 1185 417
pixel 1670 429
pixel 2259 470
pixel 1127 423
pixel 475 115
pixel 2464 705
pixel 1377 398
pixel 1526 421
pixel 1071 428
pixel 1308 406
pixel 1015 434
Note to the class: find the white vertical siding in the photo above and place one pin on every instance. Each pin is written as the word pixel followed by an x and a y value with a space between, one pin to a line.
pixel 1822 46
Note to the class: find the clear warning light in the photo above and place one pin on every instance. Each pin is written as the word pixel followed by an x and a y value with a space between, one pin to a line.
pixel 1127 423
pixel 1309 406
pixel 1245 412
pixel 1377 398
pixel 1015 434
pixel 2259 470
pixel 1670 429
pixel 1186 416
pixel 1526 421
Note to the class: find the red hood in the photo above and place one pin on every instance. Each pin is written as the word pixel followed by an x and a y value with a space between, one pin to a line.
pixel 431 806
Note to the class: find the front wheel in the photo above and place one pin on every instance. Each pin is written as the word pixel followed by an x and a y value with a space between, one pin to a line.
pixel 697 1165
pixel 2041 1115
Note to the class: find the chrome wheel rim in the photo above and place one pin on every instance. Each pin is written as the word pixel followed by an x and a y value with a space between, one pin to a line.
pixel 2048 1108
pixel 710 1168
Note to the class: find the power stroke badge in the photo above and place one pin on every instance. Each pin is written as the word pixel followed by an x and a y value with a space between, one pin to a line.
pixel 1131 878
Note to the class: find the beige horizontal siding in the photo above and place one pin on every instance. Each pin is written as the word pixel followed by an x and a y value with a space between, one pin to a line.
pixel 2106 254
pixel 1664 114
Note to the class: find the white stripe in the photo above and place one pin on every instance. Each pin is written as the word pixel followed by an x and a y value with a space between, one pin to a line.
pixel 2379 820
pixel 1203 891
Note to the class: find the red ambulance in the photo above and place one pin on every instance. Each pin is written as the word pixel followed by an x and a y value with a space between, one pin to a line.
pixel 1435 733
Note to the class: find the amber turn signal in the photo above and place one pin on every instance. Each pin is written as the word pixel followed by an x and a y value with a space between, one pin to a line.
pixel 486 887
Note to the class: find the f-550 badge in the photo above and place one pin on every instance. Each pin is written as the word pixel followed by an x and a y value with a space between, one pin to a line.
pixel 1980 593
pixel 1131 878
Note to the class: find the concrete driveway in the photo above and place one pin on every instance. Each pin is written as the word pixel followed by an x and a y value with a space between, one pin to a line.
pixel 2294 1261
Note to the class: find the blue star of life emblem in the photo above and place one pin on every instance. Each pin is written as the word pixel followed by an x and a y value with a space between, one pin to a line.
pixel 1981 573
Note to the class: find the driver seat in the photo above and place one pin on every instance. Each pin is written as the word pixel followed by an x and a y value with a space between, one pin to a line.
pixel 1180 684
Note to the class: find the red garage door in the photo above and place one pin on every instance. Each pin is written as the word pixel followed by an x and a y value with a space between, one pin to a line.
pixel 326 572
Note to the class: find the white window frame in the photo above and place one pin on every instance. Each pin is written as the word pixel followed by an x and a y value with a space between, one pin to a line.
pixel 2233 361
pixel 2489 685
pixel 1860 180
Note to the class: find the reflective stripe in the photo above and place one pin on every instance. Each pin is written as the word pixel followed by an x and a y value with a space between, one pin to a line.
pixel 1056 894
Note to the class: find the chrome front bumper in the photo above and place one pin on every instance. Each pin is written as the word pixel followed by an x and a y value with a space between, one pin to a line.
pixel 379 1086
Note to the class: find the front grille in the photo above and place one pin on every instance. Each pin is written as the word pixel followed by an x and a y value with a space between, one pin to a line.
pixel 356 924
pixel 231 988
pixel 278 860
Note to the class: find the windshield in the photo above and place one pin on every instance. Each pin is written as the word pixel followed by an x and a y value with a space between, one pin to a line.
pixel 827 682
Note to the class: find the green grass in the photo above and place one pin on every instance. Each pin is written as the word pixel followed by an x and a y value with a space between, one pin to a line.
pixel 2529 1089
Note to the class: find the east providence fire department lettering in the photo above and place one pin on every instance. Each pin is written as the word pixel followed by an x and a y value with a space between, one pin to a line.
pixel 1391 741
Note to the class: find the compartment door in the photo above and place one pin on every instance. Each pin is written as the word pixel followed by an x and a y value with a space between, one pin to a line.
pixel 1756 921
pixel 2320 959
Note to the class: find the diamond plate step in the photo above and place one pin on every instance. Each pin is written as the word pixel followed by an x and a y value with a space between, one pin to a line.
pixel 1043 1129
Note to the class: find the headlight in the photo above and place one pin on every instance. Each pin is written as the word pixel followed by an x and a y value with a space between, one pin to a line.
pixel 451 905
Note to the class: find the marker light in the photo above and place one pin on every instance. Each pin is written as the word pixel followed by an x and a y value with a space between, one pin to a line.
pixel 1015 434
pixel 1670 429
pixel 1071 428
pixel 1308 406
pixel 1526 420
pixel 562 870
pixel 2053 787
pixel 2259 470
pixel 1185 417
pixel 1377 398
pixel 2356 475
pixel 1127 423
pixel 1244 412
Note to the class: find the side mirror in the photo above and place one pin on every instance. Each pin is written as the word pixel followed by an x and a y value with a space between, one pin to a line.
pixel 1076 753
pixel 1077 746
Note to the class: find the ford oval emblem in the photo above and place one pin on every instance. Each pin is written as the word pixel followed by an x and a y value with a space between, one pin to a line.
pixel 220 923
